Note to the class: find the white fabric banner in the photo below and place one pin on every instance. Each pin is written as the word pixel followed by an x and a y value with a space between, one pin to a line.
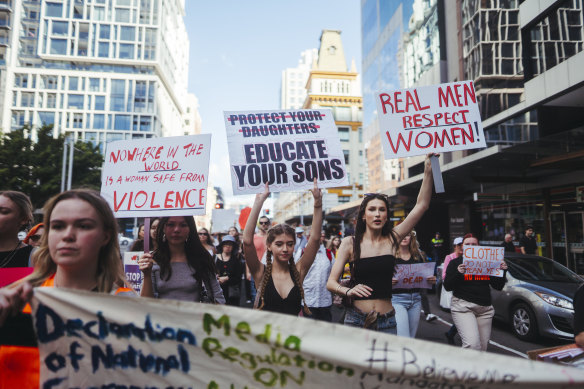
pixel 286 148
pixel 429 119
pixel 98 340
pixel 157 176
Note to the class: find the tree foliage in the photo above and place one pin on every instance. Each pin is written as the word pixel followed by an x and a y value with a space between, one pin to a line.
pixel 35 168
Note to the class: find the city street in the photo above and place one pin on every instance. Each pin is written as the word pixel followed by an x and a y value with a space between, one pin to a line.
pixel 502 340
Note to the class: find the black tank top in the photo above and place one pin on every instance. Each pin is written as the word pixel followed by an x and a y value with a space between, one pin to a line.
pixel 376 273
pixel 273 302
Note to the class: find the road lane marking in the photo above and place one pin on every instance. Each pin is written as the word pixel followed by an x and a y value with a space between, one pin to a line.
pixel 519 353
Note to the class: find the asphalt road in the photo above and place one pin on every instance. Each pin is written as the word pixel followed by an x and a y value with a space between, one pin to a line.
pixel 502 339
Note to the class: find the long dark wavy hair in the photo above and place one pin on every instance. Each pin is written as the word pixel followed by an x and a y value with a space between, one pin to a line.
pixel 198 258
pixel 361 226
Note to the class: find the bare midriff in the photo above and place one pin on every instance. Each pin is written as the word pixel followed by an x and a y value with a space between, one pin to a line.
pixel 381 306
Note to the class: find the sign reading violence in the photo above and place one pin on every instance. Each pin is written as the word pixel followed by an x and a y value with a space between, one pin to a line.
pixel 287 149
pixel 429 119
pixel 103 341
pixel 157 176
pixel 414 275
pixel 483 260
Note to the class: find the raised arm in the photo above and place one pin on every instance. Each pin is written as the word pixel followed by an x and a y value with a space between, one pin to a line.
pixel 249 250
pixel 422 204
pixel 307 258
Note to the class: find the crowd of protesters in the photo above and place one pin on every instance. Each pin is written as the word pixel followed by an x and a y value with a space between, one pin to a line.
pixel 278 268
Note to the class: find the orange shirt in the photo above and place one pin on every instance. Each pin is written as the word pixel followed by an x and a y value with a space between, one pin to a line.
pixel 20 366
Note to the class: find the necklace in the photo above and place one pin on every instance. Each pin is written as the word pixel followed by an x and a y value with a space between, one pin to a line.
pixel 6 260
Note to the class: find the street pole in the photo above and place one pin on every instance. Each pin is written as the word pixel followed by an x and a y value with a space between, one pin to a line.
pixel 64 169
pixel 70 175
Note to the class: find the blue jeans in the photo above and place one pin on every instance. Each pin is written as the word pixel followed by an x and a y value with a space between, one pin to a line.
pixel 407 313
pixel 384 323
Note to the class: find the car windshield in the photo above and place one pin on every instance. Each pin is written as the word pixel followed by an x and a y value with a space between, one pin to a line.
pixel 540 269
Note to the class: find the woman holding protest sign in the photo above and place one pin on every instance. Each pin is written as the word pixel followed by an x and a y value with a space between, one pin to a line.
pixel 471 309
pixel 181 268
pixel 372 261
pixel 280 276
pixel 79 250
pixel 15 216
pixel 407 302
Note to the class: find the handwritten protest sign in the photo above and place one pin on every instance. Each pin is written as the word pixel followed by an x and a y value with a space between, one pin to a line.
pixel 132 270
pixel 157 176
pixel 288 149
pixel 483 260
pixel 223 219
pixel 90 339
pixel 414 275
pixel 429 119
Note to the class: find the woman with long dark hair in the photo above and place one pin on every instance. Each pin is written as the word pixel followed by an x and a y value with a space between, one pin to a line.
pixel 229 269
pixel 184 269
pixel 280 276
pixel 371 254
pixel 207 240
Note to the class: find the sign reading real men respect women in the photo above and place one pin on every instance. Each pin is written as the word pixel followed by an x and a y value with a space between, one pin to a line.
pixel 157 176
pixel 429 119
pixel 287 149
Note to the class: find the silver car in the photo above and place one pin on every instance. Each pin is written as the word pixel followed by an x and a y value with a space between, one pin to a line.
pixel 537 298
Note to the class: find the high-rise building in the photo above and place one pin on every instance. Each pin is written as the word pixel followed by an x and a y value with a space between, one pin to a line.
pixel 331 84
pixel 98 70
pixel 293 88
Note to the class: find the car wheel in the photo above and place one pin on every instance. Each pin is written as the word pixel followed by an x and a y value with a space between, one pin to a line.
pixel 523 322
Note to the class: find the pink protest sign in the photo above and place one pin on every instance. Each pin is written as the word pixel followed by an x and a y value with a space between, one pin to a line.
pixel 9 275
pixel 414 275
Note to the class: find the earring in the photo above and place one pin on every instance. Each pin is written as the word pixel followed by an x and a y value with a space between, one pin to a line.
pixel 164 237
pixel 187 239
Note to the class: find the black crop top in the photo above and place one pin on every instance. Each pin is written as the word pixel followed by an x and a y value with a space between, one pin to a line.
pixel 273 302
pixel 376 273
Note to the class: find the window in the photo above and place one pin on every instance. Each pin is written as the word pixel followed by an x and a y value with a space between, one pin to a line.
pixel 346 154
pixel 145 123
pixel 27 99
pixel 122 122
pixel 51 100
pixel 99 103
pixel 99 121
pixel 49 82
pixel 344 134
pixel 46 118
pixel 103 50
pixel 344 199
pixel 94 84
pixel 21 80
pixel 76 101
pixel 54 10
pixel 117 95
pixel 122 15
pixel 60 28
pixel 99 13
pixel 17 119
pixel 104 31
pixel 77 120
pixel 126 51
pixel 73 83
pixel 128 33
pixel 59 46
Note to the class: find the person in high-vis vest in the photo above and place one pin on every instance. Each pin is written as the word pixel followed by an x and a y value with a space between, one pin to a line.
pixel 79 250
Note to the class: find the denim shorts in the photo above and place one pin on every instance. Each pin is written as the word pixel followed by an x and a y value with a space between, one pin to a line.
pixel 385 322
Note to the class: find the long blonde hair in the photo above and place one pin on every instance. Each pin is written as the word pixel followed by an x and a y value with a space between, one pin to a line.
pixel 109 267
pixel 280 229
pixel 414 248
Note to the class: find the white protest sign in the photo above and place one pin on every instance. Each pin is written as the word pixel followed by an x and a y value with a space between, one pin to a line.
pixel 286 148
pixel 132 269
pixel 429 119
pixel 223 219
pixel 413 275
pixel 90 339
pixel 157 176
pixel 483 260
